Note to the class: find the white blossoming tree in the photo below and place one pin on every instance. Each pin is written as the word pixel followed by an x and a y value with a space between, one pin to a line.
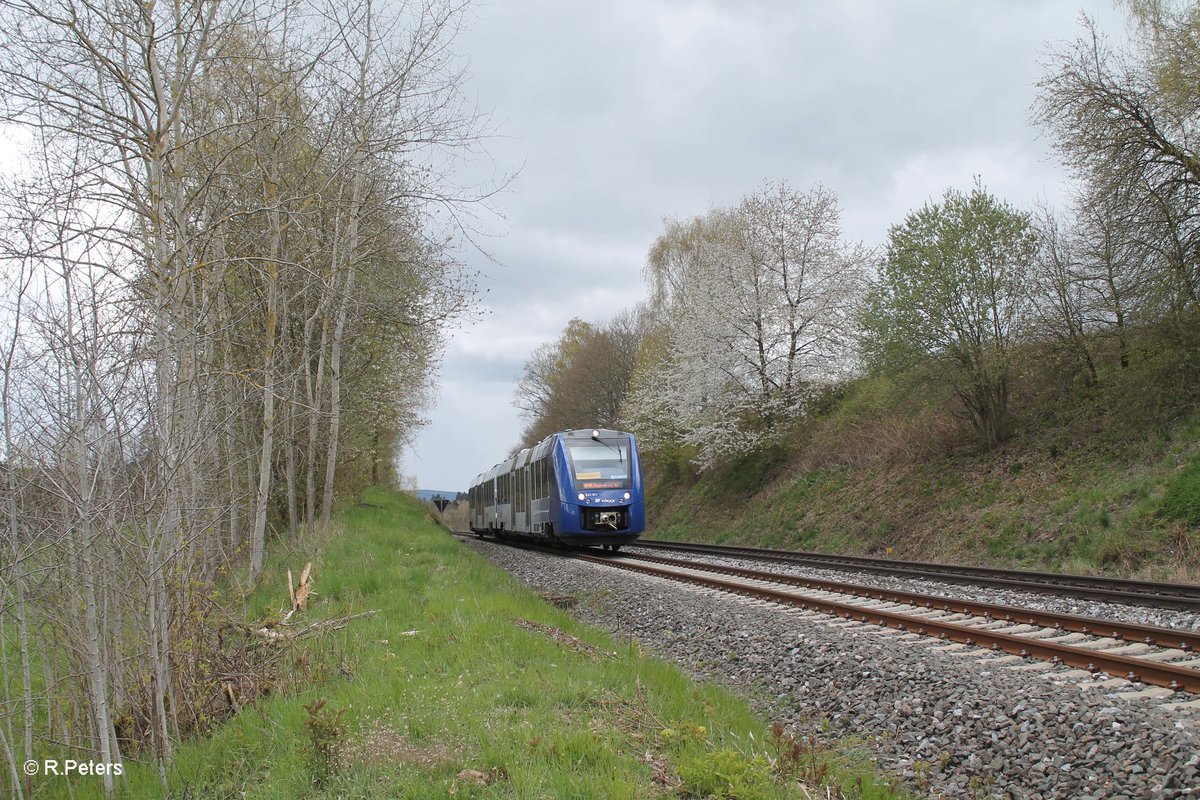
pixel 757 304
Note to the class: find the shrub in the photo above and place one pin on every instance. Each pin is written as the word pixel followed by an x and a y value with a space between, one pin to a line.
pixel 727 775
pixel 325 729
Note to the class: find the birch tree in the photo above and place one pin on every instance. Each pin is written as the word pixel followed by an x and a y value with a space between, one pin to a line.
pixel 230 228
pixel 395 93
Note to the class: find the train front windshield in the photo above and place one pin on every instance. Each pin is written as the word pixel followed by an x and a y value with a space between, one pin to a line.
pixel 602 464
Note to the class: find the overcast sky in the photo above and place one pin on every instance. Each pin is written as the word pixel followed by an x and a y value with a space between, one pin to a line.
pixel 625 112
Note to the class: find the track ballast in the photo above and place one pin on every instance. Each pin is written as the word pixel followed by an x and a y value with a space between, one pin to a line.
pixel 1181 596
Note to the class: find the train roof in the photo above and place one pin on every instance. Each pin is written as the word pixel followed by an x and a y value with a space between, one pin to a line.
pixel 530 454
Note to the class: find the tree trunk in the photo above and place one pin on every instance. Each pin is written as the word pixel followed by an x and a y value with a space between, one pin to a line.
pixel 268 429
pixel 315 393
pixel 335 384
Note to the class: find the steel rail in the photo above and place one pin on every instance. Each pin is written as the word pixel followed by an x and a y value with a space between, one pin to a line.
pixel 1159 674
pixel 1130 632
pixel 1117 590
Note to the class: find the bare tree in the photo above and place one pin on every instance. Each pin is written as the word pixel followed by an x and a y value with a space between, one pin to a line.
pixel 1126 121
pixel 1059 295
pixel 581 380
pixel 228 232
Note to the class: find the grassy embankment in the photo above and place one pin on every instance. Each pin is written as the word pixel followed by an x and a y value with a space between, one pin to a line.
pixel 1101 478
pixel 466 684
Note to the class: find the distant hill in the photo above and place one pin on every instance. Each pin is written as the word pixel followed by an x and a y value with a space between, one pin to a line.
pixel 427 494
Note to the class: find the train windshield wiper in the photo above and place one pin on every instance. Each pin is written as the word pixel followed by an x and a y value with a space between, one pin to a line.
pixel 620 454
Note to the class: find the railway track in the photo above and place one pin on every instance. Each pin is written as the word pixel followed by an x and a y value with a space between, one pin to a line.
pixel 1113 590
pixel 1158 656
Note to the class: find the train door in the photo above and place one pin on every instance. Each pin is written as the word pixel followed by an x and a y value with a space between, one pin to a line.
pixel 507 503
pixel 527 498
pixel 519 518
pixel 493 509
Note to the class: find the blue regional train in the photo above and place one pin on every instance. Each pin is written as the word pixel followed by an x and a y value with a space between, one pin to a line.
pixel 578 488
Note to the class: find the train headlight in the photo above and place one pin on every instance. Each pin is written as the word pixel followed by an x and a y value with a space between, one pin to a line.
pixel 582 497
pixel 627 495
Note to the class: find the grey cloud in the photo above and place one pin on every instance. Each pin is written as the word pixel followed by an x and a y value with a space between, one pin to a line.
pixel 625 112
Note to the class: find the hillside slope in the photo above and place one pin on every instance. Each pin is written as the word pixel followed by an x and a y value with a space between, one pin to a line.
pixel 1106 481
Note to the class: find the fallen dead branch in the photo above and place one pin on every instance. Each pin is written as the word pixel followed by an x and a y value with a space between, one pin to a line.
pixel 285 632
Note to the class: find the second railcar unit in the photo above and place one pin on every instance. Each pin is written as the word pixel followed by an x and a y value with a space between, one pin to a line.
pixel 576 487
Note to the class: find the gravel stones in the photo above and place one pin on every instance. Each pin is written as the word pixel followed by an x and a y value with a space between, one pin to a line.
pixel 951 722
pixel 1140 615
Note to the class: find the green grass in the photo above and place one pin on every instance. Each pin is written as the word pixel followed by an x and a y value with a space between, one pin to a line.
pixel 1182 498
pixel 466 684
